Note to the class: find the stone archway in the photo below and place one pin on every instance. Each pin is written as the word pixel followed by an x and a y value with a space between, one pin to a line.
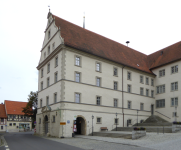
pixel 81 125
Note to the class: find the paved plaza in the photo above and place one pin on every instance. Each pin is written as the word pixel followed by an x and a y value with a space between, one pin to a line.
pixel 166 141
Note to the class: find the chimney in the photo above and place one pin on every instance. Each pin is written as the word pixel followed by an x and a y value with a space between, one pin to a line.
pixel 84 21
pixel 127 42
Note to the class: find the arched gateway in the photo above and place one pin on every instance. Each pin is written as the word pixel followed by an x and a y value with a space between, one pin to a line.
pixel 81 125
pixel 46 124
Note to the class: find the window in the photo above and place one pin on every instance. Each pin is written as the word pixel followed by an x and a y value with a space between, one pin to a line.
pixel 1 127
pixel 10 124
pixel 162 73
pixel 39 120
pixel 129 121
pixel 98 81
pixel 141 106
pixel 174 86
pixel 129 88
pixel 2 120
pixel 141 91
pixel 55 97
pixel 98 101
pixel 141 79
pixel 48 82
pixel 14 124
pixel 147 92
pixel 40 102
pixel 174 69
pixel 53 46
pixel 98 120
pixel 41 72
pixel 160 103
pixel 77 61
pixel 129 104
pixel 53 119
pixel 115 103
pixel 160 89
pixel 77 77
pixel 98 67
pixel 44 55
pixel 174 114
pixel 48 50
pixel 174 101
pixel 115 86
pixel 129 75
pixel 41 85
pixel 47 101
pixel 56 77
pixel 152 93
pixel 49 34
pixel 56 61
pixel 152 82
pixel 77 97
pixel 116 121
pixel 48 68
pixel 147 80
pixel 115 72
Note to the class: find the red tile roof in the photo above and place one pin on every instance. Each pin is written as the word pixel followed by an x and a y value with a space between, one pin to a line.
pixel 14 107
pixel 90 42
pixel 166 55
pixel 2 111
pixel 95 44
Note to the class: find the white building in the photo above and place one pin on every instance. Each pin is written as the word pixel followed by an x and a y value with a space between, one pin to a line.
pixel 82 74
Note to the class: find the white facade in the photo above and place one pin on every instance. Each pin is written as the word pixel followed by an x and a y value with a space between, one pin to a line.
pixel 63 99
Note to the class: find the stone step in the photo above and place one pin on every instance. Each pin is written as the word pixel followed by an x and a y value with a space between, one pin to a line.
pixel 114 135
pixel 148 129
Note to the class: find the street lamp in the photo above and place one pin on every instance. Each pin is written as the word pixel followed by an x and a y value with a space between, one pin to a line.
pixel 92 124
pixel 116 121
pixel 137 117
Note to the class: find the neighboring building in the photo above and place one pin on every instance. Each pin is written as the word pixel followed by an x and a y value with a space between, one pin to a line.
pixel 16 121
pixel 3 118
pixel 82 74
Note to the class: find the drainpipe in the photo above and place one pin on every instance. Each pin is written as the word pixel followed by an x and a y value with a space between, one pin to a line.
pixel 122 97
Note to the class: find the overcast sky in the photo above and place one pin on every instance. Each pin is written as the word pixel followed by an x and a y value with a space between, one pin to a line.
pixel 149 25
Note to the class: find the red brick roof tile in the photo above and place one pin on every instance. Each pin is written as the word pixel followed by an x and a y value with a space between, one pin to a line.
pixel 2 111
pixel 166 55
pixel 95 44
pixel 90 42
pixel 14 107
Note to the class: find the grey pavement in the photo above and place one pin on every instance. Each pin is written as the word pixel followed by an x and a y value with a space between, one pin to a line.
pixel 167 141
pixel 26 141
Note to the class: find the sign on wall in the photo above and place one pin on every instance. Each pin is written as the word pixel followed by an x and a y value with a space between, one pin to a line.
pixel 62 123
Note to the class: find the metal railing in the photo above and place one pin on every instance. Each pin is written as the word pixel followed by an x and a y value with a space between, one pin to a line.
pixel 163 115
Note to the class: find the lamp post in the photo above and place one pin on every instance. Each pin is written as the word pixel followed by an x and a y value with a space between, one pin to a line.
pixel 137 117
pixel 92 124
pixel 116 121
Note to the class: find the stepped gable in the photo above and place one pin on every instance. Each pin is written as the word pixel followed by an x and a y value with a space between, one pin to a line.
pixel 14 107
pixel 164 56
pixel 95 44
pixel 2 111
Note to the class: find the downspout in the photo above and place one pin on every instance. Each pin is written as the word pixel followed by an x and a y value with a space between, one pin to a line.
pixel 122 97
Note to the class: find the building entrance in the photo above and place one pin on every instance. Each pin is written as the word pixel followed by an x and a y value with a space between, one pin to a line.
pixel 81 126
pixel 152 109
pixel 46 124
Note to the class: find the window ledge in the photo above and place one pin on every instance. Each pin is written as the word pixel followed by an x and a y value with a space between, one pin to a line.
pixel 99 123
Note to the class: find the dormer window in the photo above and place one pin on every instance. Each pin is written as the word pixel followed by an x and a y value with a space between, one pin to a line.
pixel 49 34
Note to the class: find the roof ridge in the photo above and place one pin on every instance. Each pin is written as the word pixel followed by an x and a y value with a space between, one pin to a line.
pixel 100 35
pixel 15 101
pixel 164 48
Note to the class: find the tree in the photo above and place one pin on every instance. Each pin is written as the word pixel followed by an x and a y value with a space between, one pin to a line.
pixel 31 107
